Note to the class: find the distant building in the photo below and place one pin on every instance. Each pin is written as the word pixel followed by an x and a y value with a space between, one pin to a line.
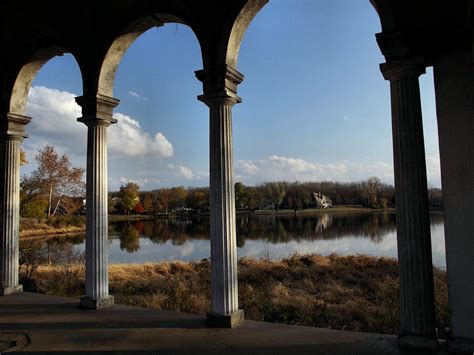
pixel 322 201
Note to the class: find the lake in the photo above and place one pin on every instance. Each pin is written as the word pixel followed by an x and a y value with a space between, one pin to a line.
pixel 259 236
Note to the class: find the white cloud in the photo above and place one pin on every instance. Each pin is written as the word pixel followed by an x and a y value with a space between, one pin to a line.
pixel 182 171
pixel 122 180
pixel 134 154
pixel 277 167
pixel 127 137
pixel 55 116
pixel 54 120
pixel 248 167
pixel 138 96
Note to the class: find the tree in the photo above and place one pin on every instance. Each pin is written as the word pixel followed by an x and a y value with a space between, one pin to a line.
pixel 370 189
pixel 129 196
pixel 163 197
pixel 72 205
pixel 111 204
pixel 254 198
pixel 149 203
pixel 240 196
pixel 197 198
pixel 23 160
pixel 139 209
pixel 177 197
pixel 276 193
pixel 54 178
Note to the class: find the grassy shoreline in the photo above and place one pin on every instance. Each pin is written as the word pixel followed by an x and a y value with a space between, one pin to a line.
pixel 358 293
pixel 33 227
pixel 315 211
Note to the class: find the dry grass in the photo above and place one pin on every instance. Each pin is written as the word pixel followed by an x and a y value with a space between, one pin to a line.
pixel 30 227
pixel 342 292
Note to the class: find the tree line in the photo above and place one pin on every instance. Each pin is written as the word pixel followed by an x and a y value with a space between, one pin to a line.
pixel 370 193
pixel 56 187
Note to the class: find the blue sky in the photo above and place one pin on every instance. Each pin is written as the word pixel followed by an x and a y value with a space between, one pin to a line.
pixel 315 106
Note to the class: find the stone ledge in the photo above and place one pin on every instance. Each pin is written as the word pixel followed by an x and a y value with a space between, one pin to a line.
pixel 460 345
pixel 413 342
pixel 11 290
pixel 90 303
pixel 225 320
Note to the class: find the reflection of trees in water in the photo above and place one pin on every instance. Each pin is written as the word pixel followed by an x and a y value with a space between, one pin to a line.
pixel 270 228
pixel 56 250
pixel 130 237
pixel 282 229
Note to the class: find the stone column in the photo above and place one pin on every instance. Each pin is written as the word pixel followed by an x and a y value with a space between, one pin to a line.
pixel 10 141
pixel 97 115
pixel 417 316
pixel 454 84
pixel 225 305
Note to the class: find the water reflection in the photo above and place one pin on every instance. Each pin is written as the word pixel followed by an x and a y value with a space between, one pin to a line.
pixel 257 235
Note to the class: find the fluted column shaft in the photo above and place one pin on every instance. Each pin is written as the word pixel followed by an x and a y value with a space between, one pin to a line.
pixel 10 142
pixel 222 206
pixel 97 284
pixel 225 304
pixel 10 211
pixel 417 317
pixel 97 281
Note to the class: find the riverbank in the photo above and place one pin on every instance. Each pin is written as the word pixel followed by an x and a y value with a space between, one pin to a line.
pixel 357 293
pixel 307 211
pixel 315 211
pixel 71 225
pixel 34 227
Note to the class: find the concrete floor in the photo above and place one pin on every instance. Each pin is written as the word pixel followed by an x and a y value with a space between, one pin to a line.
pixel 34 323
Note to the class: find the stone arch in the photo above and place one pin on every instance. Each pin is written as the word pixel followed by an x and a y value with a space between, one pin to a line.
pixel 230 46
pixel 121 44
pixel 27 74
pixel 384 9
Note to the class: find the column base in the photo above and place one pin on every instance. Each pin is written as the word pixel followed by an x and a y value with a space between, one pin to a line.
pixel 417 342
pixel 91 303
pixel 460 345
pixel 225 320
pixel 11 290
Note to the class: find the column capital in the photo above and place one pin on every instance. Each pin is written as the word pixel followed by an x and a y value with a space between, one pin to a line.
pixel 97 109
pixel 403 68
pixel 219 99
pixel 220 83
pixel 14 126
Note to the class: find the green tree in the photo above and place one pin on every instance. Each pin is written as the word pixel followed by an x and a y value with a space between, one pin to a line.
pixel 241 196
pixel 129 195
pixel 275 193
pixel 111 204
pixel 254 198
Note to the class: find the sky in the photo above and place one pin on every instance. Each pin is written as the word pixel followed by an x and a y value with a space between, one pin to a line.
pixel 315 105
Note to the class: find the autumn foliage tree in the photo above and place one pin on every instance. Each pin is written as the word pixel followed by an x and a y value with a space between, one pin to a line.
pixel 129 194
pixel 55 181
